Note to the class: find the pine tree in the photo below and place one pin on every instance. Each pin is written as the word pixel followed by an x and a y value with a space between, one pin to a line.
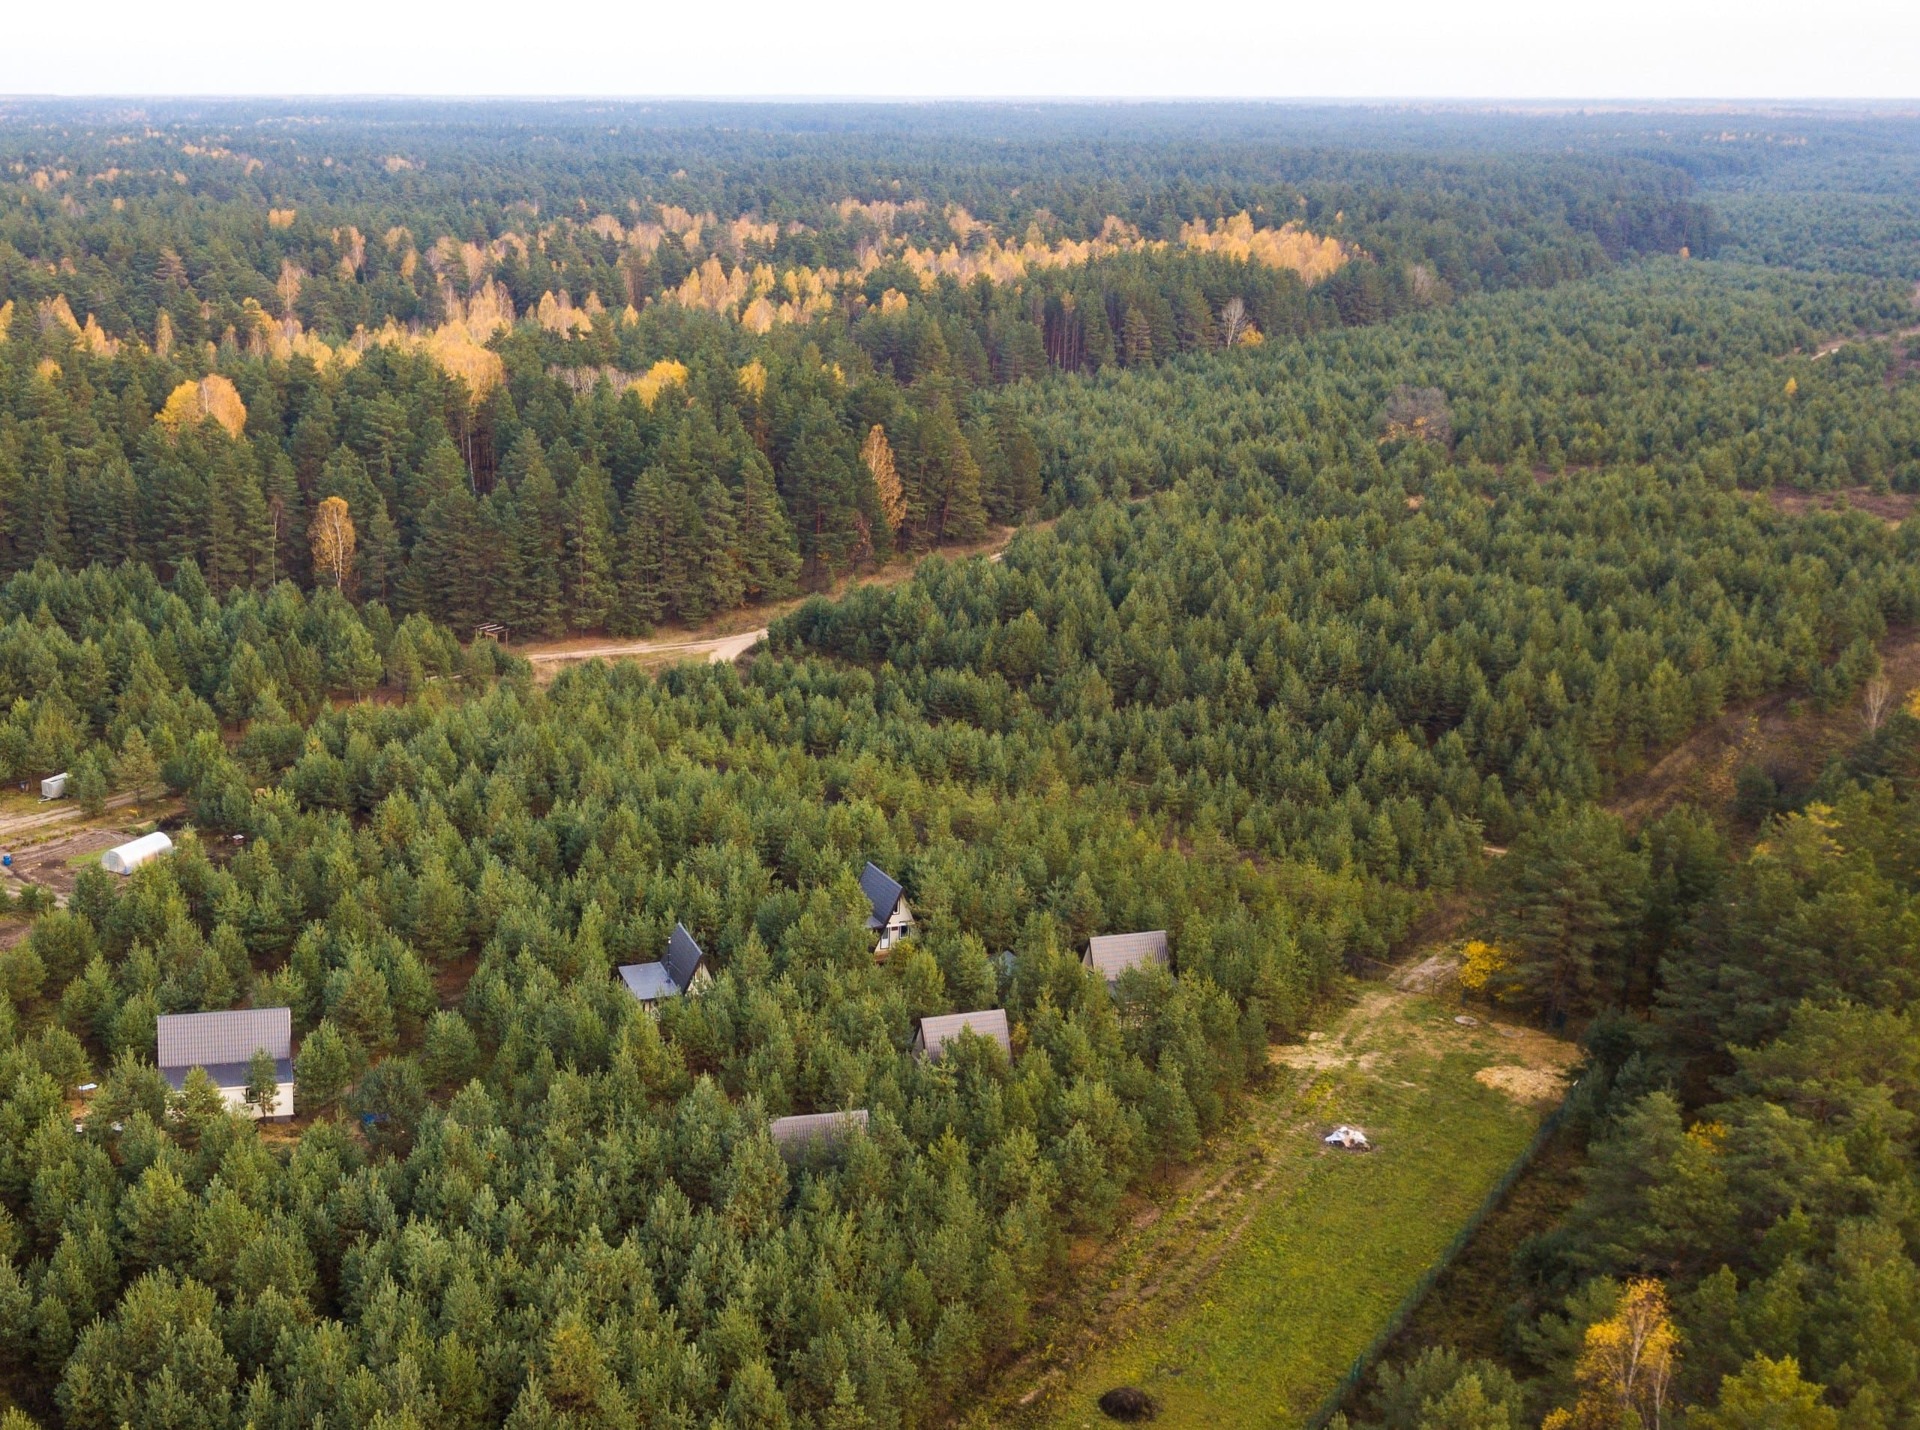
pixel 641 601
pixel 947 478
pixel 263 1082
pixel 43 522
pixel 1136 339
pixel 589 585
pixel 818 483
pixel 135 768
pixel 768 560
pixel 323 1070
pixel 718 584
pixel 537 528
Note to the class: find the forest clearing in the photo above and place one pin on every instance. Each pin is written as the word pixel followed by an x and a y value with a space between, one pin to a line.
pixel 1239 1294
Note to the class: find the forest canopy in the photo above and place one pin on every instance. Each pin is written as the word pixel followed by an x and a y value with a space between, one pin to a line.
pixel 1398 486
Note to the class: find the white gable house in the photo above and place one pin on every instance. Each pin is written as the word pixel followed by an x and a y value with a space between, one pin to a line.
pixel 223 1044
pixel 891 919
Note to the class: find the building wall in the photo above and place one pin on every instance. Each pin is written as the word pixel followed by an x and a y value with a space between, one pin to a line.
pixel 282 1103
pixel 899 924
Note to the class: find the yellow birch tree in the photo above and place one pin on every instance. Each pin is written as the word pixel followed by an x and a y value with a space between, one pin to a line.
pixel 212 397
pixel 1625 1366
pixel 331 534
pixel 878 456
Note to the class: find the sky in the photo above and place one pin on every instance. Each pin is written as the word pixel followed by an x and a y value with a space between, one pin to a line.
pixel 1044 48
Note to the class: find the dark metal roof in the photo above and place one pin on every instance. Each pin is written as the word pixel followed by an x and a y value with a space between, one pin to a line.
pixel 649 982
pixel 683 958
pixel 938 1031
pixel 226 1074
pixel 189 1040
pixel 1114 953
pixel 882 891
pixel 672 975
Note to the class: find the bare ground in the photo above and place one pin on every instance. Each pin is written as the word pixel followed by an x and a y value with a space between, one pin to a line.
pixel 55 863
pixel 1891 507
pixel 1787 734
pixel 23 820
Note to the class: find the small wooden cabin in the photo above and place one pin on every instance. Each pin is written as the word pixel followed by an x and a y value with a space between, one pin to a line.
pixel 815 1132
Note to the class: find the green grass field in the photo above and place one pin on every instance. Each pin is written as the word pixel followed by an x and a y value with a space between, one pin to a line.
pixel 1246 1299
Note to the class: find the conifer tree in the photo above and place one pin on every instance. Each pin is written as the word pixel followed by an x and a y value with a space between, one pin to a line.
pixel 768 560
pixel 589 584
pixel 717 583
pixel 536 525
pixel 641 601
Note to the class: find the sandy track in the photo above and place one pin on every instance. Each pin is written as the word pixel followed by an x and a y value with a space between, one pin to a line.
pixel 13 827
pixel 715 650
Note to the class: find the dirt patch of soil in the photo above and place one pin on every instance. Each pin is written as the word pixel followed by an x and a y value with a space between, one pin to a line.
pixel 1430 975
pixel 1524 1084
pixel 1544 475
pixel 1890 507
pixel 1318 1057
pixel 13 931
pixel 1338 1050
pixel 1784 734
pixel 56 863
pixel 450 982
pixel 1532 1066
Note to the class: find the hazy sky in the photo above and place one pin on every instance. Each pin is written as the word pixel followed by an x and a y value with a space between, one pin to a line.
pixel 1266 48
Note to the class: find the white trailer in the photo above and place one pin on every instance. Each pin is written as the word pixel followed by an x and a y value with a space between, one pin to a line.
pixel 127 857
pixel 54 786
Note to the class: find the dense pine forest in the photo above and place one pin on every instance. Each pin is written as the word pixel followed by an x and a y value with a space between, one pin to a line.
pixel 1396 486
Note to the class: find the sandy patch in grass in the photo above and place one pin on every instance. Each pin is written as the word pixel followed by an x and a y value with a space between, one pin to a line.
pixel 1429 975
pixel 1524 1084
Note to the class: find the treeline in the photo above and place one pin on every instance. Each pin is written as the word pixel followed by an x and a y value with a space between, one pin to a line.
pixel 1673 364
pixel 602 510
pixel 753 468
pixel 1749 1103
pixel 99 199
pixel 125 683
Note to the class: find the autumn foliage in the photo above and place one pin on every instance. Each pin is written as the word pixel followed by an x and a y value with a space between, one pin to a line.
pixel 331 536
pixel 1626 1366
pixel 212 398
pixel 878 456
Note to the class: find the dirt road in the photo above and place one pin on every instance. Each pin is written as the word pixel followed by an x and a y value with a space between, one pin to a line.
pixel 37 822
pixel 716 646
pixel 715 649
